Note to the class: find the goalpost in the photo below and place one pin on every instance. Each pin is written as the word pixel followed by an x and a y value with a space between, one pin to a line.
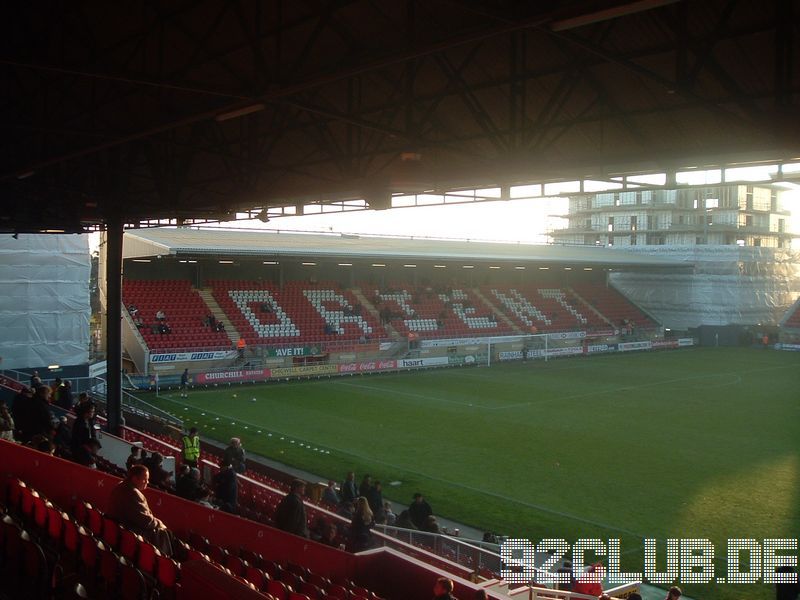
pixel 526 347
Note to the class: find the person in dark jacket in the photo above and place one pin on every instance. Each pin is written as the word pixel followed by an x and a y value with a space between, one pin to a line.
pixel 404 521
pixel 375 499
pixel 158 475
pixel 361 526
pixel 291 512
pixel 349 492
pixel 83 428
pixel 226 489
pixel 329 495
pixel 364 486
pixel 234 454
pixel 86 454
pixel 419 511
pixel 135 457
pixel 63 439
pixel 65 399
pixel 188 484
pixel 35 417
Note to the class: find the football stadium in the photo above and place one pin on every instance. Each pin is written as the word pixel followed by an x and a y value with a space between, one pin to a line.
pixel 288 314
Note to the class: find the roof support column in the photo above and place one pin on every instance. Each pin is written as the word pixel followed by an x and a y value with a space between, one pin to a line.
pixel 114 233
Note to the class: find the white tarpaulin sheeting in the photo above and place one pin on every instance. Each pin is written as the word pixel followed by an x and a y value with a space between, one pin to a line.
pixel 730 285
pixel 44 300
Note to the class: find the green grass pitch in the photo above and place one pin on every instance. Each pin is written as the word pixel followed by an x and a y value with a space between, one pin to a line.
pixel 696 443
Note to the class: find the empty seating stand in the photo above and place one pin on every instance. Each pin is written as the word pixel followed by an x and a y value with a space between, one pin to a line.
pixel 543 307
pixel 614 306
pixel 185 311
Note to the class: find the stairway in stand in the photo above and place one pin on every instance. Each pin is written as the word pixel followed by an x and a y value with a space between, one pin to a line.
pixel 591 307
pixel 498 313
pixel 362 299
pixel 219 314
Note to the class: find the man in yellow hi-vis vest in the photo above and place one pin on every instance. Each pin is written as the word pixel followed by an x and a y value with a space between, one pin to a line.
pixel 191 448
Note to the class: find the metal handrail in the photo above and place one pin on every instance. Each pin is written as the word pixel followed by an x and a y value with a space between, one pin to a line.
pixel 137 406
pixel 470 554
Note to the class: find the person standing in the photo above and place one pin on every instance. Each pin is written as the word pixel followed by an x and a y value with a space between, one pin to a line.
pixel 329 495
pixel 419 511
pixel 349 492
pixel 55 390
pixel 291 512
pixel 6 423
pixel 64 398
pixel 375 499
pixel 361 526
pixel 35 417
pixel 185 383
pixel 226 489
pixel 191 448
pixel 83 428
pixel 364 486
pixel 234 454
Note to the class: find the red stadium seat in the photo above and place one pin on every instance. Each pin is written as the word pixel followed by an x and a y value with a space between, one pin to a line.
pixel 277 589
pixel 147 557
pixel 167 572
pixel 111 532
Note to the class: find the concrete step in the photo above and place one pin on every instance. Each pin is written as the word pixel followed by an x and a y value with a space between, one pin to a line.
pixel 215 309
pixel 591 307
pixel 500 314
pixel 364 301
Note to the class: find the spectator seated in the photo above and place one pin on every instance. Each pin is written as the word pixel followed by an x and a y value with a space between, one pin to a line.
pixel 184 310
pixel 110 561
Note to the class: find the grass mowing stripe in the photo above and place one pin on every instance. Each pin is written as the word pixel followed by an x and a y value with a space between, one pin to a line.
pixel 400 393
pixel 448 482
pixel 734 381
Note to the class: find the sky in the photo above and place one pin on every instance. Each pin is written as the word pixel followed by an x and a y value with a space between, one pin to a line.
pixel 525 220
pixel 508 221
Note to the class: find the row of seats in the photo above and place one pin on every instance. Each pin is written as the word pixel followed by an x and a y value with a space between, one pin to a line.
pixel 298 312
pixel 427 312
pixel 259 498
pixel 614 306
pixel 58 549
pixel 258 501
pixel 113 562
pixel 185 311
pixel 310 313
